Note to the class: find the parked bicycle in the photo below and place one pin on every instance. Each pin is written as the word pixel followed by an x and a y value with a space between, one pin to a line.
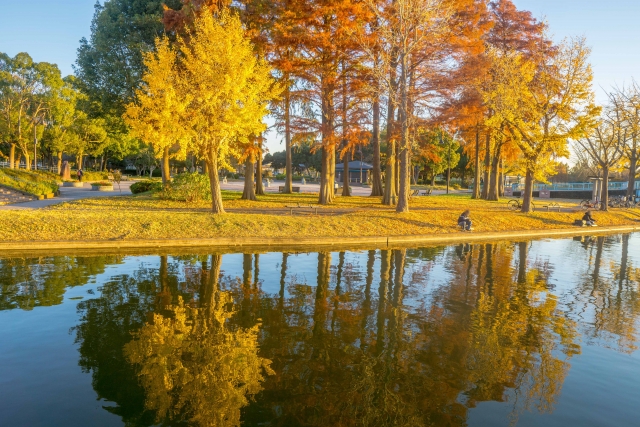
pixel 590 204
pixel 516 204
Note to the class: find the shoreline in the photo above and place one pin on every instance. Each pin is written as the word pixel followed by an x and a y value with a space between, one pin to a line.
pixel 273 243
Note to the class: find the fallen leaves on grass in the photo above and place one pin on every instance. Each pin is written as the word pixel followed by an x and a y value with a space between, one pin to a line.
pixel 132 218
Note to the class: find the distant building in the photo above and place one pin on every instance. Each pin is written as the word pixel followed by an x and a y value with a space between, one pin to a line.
pixel 358 171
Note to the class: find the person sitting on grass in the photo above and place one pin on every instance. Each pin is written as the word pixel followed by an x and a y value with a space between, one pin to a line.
pixel 464 221
pixel 588 220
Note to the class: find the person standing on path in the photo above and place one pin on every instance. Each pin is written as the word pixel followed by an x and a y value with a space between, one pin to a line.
pixel 80 174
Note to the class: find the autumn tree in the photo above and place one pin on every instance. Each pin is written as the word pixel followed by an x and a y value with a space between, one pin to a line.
pixel 157 115
pixel 409 28
pixel 605 145
pixel 230 90
pixel 543 104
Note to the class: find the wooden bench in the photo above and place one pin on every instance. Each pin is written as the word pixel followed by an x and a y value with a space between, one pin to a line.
pixel 552 206
pixel 299 206
pixel 293 189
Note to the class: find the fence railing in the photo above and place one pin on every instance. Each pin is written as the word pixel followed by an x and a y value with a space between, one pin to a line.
pixel 24 166
pixel 575 186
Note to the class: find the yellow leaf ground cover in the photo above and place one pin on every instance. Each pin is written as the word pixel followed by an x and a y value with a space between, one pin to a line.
pixel 148 217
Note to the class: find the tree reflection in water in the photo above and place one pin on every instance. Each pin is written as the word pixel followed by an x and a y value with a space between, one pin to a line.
pixel 194 365
pixel 404 337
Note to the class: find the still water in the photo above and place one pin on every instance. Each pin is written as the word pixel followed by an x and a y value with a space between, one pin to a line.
pixel 540 333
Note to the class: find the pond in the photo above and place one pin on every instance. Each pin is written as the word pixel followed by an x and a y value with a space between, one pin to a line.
pixel 495 334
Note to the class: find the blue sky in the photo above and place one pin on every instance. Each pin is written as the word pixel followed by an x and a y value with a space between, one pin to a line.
pixel 50 30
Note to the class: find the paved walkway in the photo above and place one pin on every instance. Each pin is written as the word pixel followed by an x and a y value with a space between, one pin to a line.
pixel 68 194
pixel 356 189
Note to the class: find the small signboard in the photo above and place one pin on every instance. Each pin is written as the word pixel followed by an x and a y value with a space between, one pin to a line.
pixel 508 191
pixel 545 194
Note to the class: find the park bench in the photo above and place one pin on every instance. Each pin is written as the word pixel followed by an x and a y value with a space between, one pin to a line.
pixel 427 192
pixel 552 206
pixel 299 206
pixel 294 189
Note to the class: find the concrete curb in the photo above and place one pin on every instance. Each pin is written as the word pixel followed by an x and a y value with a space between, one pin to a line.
pixel 303 243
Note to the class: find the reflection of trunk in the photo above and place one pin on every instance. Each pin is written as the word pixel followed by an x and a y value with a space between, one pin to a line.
pixel 283 275
pixel 385 274
pixel 366 305
pixel 256 271
pixel 623 263
pixel 479 270
pixel 212 292
pixel 396 318
pixel 488 278
pixel 522 262
pixel 163 298
pixel 341 256
pixel 597 262
pixel 247 261
pixel 320 306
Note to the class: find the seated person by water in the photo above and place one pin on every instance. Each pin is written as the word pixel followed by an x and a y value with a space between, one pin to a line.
pixel 464 221
pixel 588 220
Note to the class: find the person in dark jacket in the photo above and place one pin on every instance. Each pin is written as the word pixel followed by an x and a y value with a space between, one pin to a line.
pixel 588 220
pixel 464 221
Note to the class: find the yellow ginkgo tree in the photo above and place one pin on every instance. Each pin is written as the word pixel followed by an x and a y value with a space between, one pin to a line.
pixel 543 102
pixel 157 115
pixel 229 91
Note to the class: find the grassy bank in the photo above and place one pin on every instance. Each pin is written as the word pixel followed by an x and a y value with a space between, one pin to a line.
pixel 35 183
pixel 147 217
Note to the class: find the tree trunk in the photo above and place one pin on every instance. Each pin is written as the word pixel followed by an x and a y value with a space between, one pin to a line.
pixel 59 161
pixel 12 155
pixel 376 177
pixel 259 186
pixel 216 195
pixel 403 191
pixel 166 172
pixel 528 192
pixel 288 182
pixel 492 193
pixel 326 183
pixel 27 161
pixel 345 175
pixel 501 178
pixel 605 188
pixel 633 165
pixel 249 192
pixel 487 165
pixel 390 193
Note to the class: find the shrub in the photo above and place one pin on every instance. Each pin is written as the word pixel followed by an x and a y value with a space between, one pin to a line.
pixel 91 176
pixel 144 186
pixel 189 187
pixel 102 184
pixel 34 183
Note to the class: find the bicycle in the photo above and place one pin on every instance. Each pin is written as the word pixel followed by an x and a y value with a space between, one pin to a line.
pixel 515 205
pixel 588 204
